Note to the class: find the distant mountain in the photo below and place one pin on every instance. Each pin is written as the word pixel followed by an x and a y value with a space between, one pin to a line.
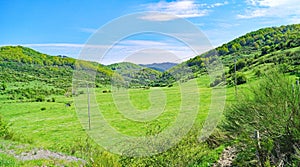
pixel 160 66
pixel 135 75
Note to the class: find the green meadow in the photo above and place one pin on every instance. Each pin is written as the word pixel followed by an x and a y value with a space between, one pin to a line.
pixel 55 125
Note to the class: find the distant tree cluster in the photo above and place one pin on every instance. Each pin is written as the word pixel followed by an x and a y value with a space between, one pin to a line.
pixel 266 40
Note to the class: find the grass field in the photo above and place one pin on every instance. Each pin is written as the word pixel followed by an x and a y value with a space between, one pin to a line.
pixel 55 126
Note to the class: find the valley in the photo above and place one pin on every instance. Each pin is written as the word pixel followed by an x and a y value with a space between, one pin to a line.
pixel 39 111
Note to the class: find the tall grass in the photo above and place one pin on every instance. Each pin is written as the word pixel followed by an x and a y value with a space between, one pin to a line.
pixel 272 110
pixel 5 131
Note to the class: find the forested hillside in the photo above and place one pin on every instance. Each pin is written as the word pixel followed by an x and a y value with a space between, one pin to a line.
pixel 29 75
pixel 135 75
pixel 254 53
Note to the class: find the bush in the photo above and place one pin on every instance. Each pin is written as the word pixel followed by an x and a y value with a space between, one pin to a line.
pixel 273 110
pixel 4 130
pixel 40 99
pixel 217 81
pixel 240 78
pixel 258 73
pixel 3 86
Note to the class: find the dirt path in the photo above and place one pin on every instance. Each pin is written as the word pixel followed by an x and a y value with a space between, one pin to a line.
pixel 226 158
pixel 37 154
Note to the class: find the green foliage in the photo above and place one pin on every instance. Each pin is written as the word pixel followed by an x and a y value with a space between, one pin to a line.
pixel 240 78
pixel 40 98
pixel 240 64
pixel 188 152
pixel 92 152
pixel 7 161
pixel 135 75
pixel 218 80
pixel 5 132
pixel 3 86
pixel 272 108
pixel 53 74
pixel 265 50
pixel 258 73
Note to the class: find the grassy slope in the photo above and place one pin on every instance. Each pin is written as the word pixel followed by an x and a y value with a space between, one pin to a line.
pixel 57 127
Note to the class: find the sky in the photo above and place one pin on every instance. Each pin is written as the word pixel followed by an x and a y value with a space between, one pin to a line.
pixel 64 27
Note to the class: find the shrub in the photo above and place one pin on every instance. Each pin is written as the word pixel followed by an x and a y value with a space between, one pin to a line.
pixel 240 78
pixel 3 86
pixel 40 99
pixel 272 109
pixel 217 81
pixel 4 129
pixel 170 85
pixel 258 73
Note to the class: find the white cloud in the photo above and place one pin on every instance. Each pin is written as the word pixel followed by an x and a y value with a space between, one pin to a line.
pixel 183 9
pixel 272 8
pixel 218 4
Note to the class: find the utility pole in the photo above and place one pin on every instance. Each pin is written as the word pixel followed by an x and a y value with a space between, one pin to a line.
pixel 88 99
pixel 258 147
pixel 235 79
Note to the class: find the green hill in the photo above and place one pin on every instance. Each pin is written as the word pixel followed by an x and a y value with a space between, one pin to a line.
pixel 30 75
pixel 254 52
pixel 136 75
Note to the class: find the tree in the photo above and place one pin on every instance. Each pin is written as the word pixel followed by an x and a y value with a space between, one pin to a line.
pixel 240 64
pixel 235 47
pixel 240 78
pixel 243 42
pixel 3 86
pixel 223 50
pixel 265 50
pixel 256 46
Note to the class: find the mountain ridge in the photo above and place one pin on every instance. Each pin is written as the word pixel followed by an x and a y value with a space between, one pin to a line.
pixel 164 66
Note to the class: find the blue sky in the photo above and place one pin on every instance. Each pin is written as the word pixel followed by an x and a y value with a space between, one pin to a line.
pixel 63 26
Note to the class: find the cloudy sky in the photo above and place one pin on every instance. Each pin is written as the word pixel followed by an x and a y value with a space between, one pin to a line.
pixel 63 27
